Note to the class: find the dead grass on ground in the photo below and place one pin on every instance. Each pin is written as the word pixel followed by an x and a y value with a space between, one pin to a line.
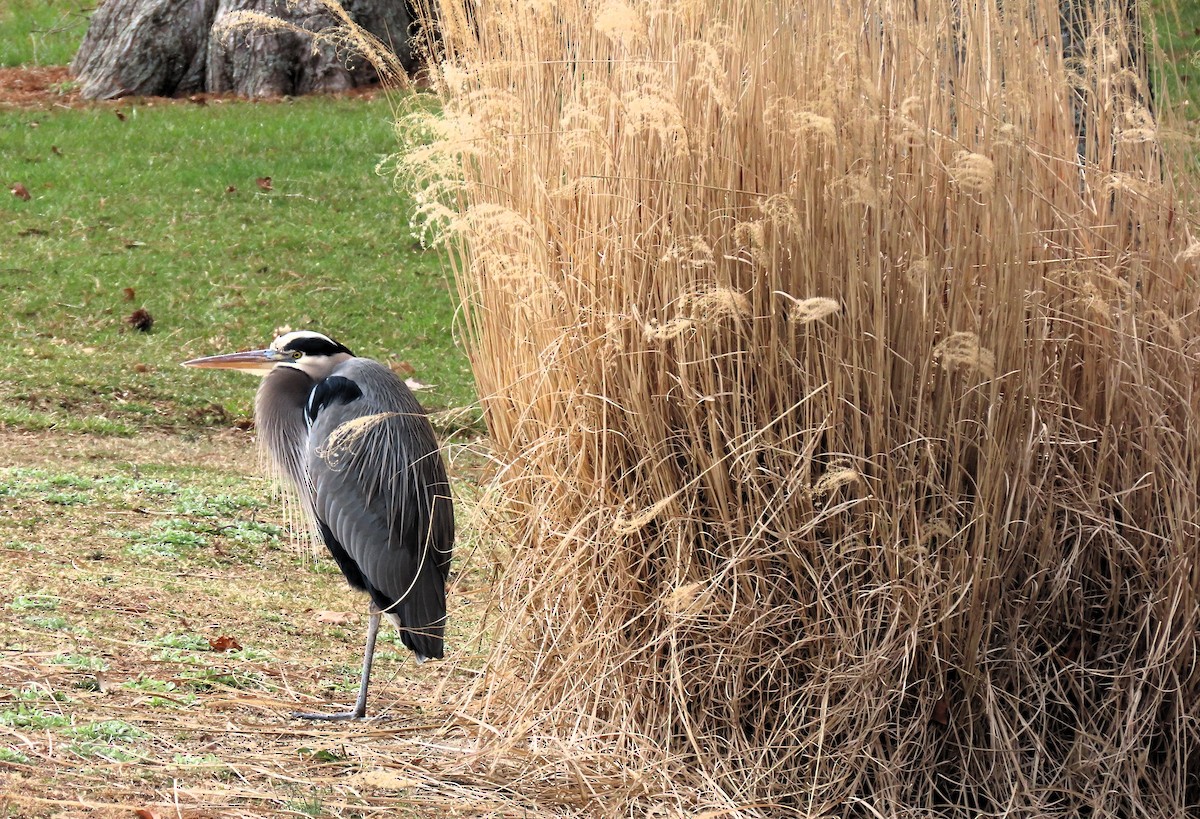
pixel 123 565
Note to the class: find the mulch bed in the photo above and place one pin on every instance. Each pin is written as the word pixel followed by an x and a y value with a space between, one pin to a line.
pixel 37 87
pixel 42 87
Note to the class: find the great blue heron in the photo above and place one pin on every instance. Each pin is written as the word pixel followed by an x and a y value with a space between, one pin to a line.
pixel 353 441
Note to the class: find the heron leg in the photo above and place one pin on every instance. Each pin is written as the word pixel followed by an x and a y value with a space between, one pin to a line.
pixel 360 705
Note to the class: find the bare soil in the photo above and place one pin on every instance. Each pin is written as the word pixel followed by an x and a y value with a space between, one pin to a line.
pixel 37 87
pixel 44 87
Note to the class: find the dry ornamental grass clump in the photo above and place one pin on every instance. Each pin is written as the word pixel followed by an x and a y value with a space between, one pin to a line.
pixel 843 362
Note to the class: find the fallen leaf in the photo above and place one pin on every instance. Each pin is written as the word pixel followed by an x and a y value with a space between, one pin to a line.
pixel 54 149
pixel 402 367
pixel 146 813
pixel 33 232
pixel 231 189
pixel 941 712
pixel 35 124
pixel 129 293
pixel 334 618
pixel 132 243
pixel 416 386
pixel 224 643
pixel 20 191
pixel 120 114
pixel 264 182
pixel 141 368
pixel 140 319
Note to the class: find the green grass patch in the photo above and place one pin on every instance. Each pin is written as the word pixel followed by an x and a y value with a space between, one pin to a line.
pixel 199 503
pixel 111 730
pixel 161 210
pixel 42 32
pixel 162 693
pixel 183 538
pixel 35 695
pixel 23 482
pixel 35 602
pixel 190 649
pixel 182 642
pixel 221 515
pixel 210 679
pixel 54 623
pixel 90 749
pixel 28 716
pixel 1175 29
pixel 170 538
pixel 80 662
pixel 30 419
pixel 209 763
pixel 199 515
pixel 19 545
pixel 12 756
pixel 252 532
pixel 322 755
pixel 67 498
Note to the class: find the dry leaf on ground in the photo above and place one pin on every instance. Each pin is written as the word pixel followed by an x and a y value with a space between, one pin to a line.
pixel 224 643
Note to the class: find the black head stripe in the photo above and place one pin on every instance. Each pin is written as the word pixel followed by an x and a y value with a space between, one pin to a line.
pixel 332 390
pixel 316 345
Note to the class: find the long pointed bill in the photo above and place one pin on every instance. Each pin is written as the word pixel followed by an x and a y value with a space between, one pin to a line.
pixel 258 362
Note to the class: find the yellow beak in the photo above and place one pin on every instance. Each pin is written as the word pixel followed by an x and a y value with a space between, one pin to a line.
pixel 257 362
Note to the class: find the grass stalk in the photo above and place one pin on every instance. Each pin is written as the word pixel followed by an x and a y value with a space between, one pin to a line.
pixel 842 361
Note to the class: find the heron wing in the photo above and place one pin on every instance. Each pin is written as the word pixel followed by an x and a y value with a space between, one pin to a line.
pixel 381 496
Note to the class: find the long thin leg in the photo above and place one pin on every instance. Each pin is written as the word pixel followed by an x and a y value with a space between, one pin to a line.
pixel 360 705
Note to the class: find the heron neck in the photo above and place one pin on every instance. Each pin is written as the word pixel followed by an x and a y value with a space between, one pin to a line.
pixel 282 431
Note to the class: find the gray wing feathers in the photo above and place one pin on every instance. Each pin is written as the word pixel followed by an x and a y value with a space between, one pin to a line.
pixel 380 486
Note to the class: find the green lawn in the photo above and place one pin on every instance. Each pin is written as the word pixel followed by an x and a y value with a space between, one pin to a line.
pixel 157 206
pixel 41 32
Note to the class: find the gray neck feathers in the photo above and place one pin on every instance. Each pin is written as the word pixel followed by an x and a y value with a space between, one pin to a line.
pixel 282 431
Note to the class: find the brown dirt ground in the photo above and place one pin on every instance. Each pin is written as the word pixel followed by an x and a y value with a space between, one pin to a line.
pixel 37 87
pixel 42 87
pixel 84 622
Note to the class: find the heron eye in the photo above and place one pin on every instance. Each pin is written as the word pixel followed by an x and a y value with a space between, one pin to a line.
pixel 296 354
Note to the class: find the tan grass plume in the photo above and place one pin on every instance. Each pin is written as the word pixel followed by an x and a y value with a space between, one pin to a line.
pixel 918 540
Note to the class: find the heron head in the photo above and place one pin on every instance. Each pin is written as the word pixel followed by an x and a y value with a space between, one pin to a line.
pixel 312 353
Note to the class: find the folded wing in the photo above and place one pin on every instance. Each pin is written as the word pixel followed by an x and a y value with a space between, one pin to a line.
pixel 382 498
